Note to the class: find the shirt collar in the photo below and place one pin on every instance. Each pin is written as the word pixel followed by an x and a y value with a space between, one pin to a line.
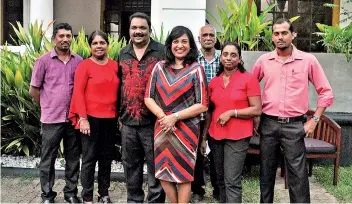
pixel 201 55
pixel 151 46
pixel 295 54
pixel 53 53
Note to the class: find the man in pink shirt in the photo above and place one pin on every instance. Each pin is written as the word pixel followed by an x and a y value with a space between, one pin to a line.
pixel 287 72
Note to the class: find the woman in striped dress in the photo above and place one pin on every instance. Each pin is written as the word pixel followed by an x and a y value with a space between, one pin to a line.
pixel 176 94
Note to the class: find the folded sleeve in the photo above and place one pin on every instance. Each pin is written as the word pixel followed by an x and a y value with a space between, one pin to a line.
pixel 322 86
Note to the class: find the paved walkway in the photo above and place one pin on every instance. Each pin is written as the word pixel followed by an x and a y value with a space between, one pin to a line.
pixel 26 189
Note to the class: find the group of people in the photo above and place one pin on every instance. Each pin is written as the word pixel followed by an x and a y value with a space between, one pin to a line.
pixel 168 101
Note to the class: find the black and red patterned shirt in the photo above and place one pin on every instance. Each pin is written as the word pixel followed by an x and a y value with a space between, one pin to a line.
pixel 134 75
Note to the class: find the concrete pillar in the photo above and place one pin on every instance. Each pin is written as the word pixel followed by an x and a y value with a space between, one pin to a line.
pixel 181 12
pixel 42 11
pixel 26 14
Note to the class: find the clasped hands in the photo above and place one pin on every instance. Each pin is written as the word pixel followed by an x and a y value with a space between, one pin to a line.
pixel 167 122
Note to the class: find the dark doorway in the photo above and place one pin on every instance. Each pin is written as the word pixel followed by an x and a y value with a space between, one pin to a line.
pixel 13 11
pixel 117 12
pixel 125 23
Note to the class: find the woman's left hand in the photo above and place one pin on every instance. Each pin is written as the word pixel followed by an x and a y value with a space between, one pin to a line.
pixel 168 122
pixel 224 117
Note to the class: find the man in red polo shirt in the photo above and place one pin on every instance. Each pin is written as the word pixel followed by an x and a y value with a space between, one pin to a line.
pixel 287 72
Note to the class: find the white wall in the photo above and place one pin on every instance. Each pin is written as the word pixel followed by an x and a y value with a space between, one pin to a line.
pixel 212 9
pixel 347 6
pixel 189 13
pixel 78 13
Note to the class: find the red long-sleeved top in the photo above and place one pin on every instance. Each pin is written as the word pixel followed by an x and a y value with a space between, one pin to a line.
pixel 95 90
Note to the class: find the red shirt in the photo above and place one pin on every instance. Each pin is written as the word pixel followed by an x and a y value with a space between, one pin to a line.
pixel 233 96
pixel 286 85
pixel 95 90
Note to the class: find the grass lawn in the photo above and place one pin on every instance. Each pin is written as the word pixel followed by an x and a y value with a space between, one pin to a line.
pixel 250 186
pixel 343 190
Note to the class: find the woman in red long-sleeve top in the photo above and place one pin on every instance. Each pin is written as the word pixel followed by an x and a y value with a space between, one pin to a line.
pixel 93 111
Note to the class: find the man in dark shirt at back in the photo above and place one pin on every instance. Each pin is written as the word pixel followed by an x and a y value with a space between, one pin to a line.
pixel 136 62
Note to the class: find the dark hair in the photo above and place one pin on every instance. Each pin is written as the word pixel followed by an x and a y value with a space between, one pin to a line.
pixel 284 20
pixel 98 33
pixel 143 16
pixel 175 33
pixel 59 26
pixel 240 64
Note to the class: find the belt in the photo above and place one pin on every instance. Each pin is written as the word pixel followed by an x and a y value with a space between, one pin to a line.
pixel 285 119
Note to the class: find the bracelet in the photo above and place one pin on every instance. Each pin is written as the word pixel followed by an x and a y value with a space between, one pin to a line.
pixel 162 117
pixel 177 116
pixel 236 113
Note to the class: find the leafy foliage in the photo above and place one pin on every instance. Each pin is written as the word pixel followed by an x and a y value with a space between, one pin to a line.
pixel 336 39
pixel 161 38
pixel 20 115
pixel 239 25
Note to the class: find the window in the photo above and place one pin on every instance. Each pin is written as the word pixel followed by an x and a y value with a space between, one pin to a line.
pixel 13 11
pixel 310 12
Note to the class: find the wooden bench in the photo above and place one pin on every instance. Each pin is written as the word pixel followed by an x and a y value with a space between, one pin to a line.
pixel 325 143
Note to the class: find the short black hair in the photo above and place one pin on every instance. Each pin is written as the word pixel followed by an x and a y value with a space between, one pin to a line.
pixel 175 33
pixel 143 16
pixel 240 64
pixel 59 26
pixel 284 20
pixel 98 33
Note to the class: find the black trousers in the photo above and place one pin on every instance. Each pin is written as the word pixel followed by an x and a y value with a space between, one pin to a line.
pixel 137 145
pixel 52 134
pixel 290 138
pixel 229 158
pixel 98 147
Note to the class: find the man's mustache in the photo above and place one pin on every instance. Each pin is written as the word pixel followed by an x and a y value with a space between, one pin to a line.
pixel 138 35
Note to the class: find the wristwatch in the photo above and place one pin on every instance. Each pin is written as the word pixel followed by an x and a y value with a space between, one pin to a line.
pixel 316 118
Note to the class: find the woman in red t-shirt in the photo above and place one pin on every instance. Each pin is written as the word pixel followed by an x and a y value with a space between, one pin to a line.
pixel 234 96
pixel 93 111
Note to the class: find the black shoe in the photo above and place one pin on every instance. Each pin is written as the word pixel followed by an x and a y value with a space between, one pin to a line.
pixel 104 199
pixel 73 199
pixel 216 195
pixel 196 198
pixel 47 201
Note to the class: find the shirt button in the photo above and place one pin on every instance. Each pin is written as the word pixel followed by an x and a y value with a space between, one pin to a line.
pixel 283 76
pixel 280 101
pixel 282 89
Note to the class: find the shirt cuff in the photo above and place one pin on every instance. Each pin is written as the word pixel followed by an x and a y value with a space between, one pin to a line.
pixel 37 84
pixel 325 102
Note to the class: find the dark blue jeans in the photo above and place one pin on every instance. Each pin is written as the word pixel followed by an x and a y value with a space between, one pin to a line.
pixel 137 147
pixel 52 134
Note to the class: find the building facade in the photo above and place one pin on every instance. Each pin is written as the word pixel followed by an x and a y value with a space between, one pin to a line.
pixel 112 15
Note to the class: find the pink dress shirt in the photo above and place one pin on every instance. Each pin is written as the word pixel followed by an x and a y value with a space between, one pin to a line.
pixel 286 85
